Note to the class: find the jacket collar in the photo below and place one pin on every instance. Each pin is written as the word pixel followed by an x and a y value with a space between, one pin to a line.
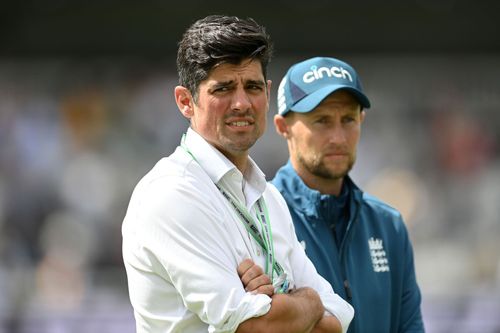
pixel 304 198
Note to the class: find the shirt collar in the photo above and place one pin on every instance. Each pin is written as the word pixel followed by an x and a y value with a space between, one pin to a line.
pixel 215 164
pixel 218 166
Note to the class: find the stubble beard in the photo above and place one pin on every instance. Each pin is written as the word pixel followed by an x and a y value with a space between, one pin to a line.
pixel 243 146
pixel 317 167
pixel 240 143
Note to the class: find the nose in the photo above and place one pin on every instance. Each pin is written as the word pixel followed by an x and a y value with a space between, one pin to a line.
pixel 336 134
pixel 241 100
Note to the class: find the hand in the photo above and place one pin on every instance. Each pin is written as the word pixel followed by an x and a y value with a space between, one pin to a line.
pixel 327 324
pixel 295 312
pixel 253 278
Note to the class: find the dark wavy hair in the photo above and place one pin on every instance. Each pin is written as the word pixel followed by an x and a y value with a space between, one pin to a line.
pixel 218 39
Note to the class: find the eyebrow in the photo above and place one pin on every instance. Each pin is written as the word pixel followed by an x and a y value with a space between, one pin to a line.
pixel 328 113
pixel 256 82
pixel 220 84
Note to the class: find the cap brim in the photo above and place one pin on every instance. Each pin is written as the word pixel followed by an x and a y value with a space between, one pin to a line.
pixel 311 101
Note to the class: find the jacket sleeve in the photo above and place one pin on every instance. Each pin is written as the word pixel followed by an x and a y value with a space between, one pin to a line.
pixel 411 316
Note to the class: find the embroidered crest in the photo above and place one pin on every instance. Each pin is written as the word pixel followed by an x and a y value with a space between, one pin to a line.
pixel 379 258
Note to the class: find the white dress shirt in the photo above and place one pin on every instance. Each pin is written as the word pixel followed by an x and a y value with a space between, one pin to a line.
pixel 183 241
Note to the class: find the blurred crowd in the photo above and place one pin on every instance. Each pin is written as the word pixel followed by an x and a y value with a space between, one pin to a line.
pixel 76 136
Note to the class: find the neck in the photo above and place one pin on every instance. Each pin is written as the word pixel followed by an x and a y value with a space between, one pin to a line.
pixel 240 161
pixel 324 185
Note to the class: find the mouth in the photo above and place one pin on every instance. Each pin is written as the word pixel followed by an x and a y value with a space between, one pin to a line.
pixel 239 123
pixel 336 156
pixel 335 153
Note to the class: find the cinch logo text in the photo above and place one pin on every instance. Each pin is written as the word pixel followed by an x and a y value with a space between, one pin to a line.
pixel 318 73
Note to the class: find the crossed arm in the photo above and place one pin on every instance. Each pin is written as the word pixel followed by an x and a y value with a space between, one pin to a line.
pixel 298 311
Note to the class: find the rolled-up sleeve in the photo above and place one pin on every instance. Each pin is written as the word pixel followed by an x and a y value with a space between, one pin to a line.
pixel 181 262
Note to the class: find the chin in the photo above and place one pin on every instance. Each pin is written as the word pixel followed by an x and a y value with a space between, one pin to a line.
pixel 334 172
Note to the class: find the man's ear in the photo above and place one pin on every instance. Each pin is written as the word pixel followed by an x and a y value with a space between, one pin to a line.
pixel 281 126
pixel 362 116
pixel 184 101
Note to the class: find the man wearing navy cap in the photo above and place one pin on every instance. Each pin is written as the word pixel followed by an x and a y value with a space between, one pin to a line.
pixel 358 243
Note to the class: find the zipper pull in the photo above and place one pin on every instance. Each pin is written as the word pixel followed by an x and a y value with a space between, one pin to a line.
pixel 347 289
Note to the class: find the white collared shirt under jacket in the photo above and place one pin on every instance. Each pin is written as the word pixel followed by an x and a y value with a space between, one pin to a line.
pixel 183 241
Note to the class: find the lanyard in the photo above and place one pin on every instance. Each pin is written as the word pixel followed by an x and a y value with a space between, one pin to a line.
pixel 265 239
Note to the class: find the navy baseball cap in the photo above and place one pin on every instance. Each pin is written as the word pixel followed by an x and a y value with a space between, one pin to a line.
pixel 309 82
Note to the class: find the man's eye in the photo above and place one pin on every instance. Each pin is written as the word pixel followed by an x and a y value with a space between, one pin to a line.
pixel 255 87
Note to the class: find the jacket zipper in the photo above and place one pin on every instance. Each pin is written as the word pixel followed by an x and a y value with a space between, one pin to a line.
pixel 347 286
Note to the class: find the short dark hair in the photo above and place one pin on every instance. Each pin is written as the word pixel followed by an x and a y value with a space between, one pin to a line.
pixel 218 39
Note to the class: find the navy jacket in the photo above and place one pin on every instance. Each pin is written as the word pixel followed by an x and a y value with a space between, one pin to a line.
pixel 372 267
